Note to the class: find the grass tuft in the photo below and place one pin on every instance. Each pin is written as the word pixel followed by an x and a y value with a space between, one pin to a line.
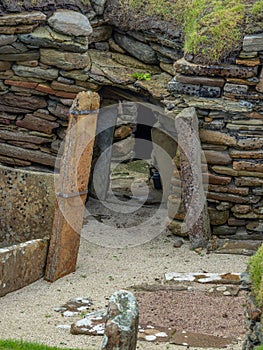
pixel 22 345
pixel 211 29
pixel 256 275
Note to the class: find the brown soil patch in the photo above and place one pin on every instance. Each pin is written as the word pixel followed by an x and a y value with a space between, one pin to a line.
pixel 193 311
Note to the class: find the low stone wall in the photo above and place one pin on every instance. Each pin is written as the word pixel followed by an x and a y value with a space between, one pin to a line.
pixel 47 57
pixel 22 264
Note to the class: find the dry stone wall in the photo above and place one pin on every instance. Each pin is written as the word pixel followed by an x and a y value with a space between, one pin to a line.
pixel 47 57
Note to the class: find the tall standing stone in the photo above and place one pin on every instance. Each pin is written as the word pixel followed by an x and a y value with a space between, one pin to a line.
pixel 122 322
pixel 196 222
pixel 71 186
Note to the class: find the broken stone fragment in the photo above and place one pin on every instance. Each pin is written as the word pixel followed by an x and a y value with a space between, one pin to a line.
pixel 122 319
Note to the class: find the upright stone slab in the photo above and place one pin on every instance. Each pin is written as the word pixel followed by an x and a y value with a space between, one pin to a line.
pixel 71 187
pixel 99 183
pixel 122 322
pixel 196 222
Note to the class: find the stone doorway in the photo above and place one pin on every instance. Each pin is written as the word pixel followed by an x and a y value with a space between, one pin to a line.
pixel 129 132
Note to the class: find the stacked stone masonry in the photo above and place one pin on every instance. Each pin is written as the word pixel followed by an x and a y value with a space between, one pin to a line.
pixel 46 58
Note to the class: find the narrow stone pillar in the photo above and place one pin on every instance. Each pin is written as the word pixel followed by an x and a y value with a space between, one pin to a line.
pixel 106 124
pixel 196 222
pixel 71 186
pixel 122 322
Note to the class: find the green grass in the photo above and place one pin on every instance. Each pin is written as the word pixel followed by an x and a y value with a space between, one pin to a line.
pixel 21 345
pixel 256 274
pixel 211 29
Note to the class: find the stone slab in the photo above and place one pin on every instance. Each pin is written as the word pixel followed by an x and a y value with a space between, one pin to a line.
pixel 234 71
pixel 188 79
pixel 140 50
pixel 253 42
pixel 14 19
pixel 34 123
pixel 214 157
pixel 29 205
pixel 64 60
pixel 46 37
pixel 240 247
pixel 26 154
pixel 203 277
pixel 22 264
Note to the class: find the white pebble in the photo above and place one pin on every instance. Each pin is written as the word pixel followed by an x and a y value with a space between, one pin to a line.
pixel 150 337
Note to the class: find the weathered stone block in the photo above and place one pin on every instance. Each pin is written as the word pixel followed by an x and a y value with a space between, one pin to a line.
pixel 216 137
pixel 157 86
pixel 26 102
pixel 15 19
pixel 165 51
pixel 188 79
pixel 136 48
pixel 35 72
pixel 26 154
pixel 250 143
pixel 27 56
pixel 224 170
pixel 229 189
pixel 70 23
pixel 13 49
pixel 17 29
pixel 17 135
pixel 235 71
pixel 219 180
pixel 29 204
pixel 224 230
pixel 213 157
pixel 34 123
pixel 46 37
pixel 256 154
pixel 248 166
pixel 64 60
pixel 235 88
pixel 196 221
pixel 255 226
pixel 101 33
pixel 122 320
pixel 22 264
pixel 241 209
pixel 210 91
pixel 218 217
pixel 259 86
pixel 249 181
pixel 175 226
pixel 248 62
pixel 253 42
pixel 227 197
pixel 7 39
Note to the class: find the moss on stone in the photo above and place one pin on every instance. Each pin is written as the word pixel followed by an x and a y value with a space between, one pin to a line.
pixel 256 274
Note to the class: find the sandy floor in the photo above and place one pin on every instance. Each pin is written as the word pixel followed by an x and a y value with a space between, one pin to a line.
pixel 29 313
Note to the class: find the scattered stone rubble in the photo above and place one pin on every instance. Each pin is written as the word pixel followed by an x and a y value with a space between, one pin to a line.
pixel 153 328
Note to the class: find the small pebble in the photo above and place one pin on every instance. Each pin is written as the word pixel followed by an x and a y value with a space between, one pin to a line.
pixel 227 293
pixel 63 326
pixel 221 288
pixel 150 337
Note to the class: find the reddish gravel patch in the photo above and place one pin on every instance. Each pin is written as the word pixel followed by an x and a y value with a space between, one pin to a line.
pixel 193 311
